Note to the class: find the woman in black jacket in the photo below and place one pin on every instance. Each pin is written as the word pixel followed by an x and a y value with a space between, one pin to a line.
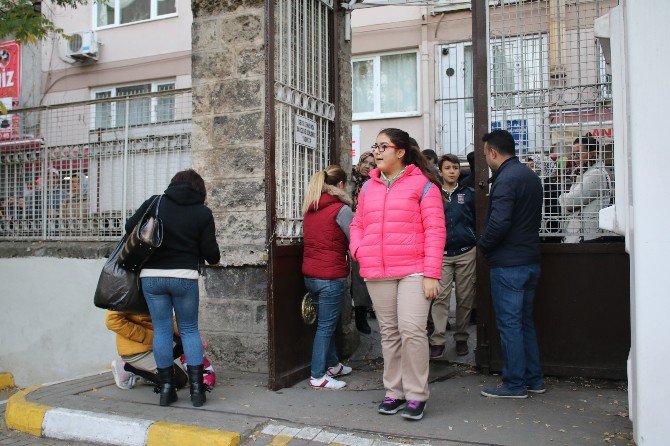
pixel 170 278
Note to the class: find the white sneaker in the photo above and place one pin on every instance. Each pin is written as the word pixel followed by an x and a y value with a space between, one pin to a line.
pixel 326 382
pixel 123 379
pixel 338 370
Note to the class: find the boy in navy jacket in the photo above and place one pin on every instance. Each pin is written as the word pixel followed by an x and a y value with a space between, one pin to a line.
pixel 458 263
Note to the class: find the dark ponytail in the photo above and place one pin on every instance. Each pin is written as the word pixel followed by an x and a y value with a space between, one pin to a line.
pixel 401 139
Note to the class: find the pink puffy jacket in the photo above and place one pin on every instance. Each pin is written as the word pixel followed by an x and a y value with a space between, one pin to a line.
pixel 400 230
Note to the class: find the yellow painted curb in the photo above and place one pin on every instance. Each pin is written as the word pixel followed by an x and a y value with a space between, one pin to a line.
pixel 25 416
pixel 169 434
pixel 6 381
pixel 281 440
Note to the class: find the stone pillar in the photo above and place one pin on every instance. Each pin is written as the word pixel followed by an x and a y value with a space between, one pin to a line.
pixel 228 151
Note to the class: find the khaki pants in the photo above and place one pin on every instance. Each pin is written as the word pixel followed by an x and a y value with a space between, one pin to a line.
pixel 402 309
pixel 462 270
pixel 147 363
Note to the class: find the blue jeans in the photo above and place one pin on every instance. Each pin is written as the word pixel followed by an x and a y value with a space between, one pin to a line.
pixel 513 292
pixel 328 297
pixel 162 295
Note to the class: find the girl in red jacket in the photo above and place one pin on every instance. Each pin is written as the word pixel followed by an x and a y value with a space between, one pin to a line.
pixel 398 236
pixel 327 216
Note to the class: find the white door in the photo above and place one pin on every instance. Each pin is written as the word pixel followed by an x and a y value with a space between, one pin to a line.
pixel 455 105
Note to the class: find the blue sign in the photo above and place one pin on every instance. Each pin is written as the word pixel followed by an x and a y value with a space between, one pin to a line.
pixel 519 130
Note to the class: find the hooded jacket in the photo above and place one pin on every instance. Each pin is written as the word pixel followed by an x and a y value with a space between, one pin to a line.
pixel 399 230
pixel 188 230
pixel 325 252
pixel 134 331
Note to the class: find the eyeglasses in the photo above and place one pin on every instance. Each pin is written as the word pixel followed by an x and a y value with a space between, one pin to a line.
pixel 381 147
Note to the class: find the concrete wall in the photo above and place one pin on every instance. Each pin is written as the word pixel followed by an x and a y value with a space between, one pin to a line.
pixel 645 31
pixel 49 328
pixel 152 50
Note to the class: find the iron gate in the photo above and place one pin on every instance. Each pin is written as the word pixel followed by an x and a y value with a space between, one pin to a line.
pixel 304 68
pixel 548 87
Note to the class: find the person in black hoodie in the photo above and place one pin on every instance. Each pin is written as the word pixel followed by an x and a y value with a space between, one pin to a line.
pixel 170 278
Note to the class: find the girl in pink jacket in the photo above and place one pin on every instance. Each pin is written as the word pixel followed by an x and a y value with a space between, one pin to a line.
pixel 398 236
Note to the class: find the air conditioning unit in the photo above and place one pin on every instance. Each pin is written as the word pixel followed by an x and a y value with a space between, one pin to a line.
pixel 83 46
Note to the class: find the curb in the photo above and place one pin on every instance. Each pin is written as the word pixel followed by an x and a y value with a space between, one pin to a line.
pixel 67 424
pixel 6 381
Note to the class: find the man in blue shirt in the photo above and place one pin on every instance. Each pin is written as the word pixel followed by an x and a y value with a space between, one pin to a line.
pixel 511 243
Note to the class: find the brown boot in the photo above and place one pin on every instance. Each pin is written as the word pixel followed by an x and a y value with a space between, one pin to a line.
pixel 462 348
pixel 436 351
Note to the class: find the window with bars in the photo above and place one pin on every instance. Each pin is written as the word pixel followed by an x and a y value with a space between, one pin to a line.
pixel 519 70
pixel 141 111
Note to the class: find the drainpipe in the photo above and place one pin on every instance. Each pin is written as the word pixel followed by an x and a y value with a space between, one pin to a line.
pixel 347 19
pixel 424 82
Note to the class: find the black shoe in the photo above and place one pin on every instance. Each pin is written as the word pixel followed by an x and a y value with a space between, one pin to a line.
pixel 167 388
pixel 198 387
pixel 391 405
pixel 414 410
pixel 362 320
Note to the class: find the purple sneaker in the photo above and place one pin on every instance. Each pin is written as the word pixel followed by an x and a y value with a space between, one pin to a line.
pixel 414 410
pixel 391 406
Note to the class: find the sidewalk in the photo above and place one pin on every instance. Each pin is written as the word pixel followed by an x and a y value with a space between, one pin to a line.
pixel 572 412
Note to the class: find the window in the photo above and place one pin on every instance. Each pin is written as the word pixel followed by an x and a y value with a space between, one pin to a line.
pixel 120 12
pixel 385 86
pixel 519 70
pixel 141 111
pixel 455 5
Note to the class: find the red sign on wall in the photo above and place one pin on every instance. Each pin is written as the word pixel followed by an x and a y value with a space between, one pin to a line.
pixel 10 87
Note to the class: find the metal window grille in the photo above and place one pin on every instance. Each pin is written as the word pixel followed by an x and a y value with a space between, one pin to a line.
pixel 302 88
pixel 78 171
pixel 548 87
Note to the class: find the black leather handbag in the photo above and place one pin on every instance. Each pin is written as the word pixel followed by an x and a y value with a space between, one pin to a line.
pixel 119 289
pixel 145 238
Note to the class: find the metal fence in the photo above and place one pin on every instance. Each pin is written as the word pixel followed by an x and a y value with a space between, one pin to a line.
pixel 77 171
pixel 302 89
pixel 549 88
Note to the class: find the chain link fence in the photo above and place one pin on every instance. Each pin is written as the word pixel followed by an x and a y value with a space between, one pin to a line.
pixel 77 171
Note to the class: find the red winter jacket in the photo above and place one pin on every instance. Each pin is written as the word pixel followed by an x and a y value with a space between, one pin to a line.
pixel 325 245
pixel 400 230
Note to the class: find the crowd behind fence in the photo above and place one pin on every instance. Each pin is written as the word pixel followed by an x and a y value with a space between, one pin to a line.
pixel 77 171
pixel 551 90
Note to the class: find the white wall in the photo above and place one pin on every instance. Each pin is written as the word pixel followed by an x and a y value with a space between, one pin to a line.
pixel 384 15
pixel 131 41
pixel 49 328
pixel 647 67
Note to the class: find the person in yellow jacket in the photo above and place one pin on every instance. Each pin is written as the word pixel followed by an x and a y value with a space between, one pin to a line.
pixel 134 343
